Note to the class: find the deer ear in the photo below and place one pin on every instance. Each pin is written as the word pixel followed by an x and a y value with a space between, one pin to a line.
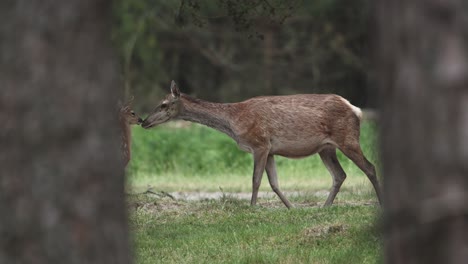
pixel 130 100
pixel 120 104
pixel 174 89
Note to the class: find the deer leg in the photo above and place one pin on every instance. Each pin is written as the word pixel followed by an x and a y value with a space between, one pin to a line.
pixel 273 179
pixel 331 162
pixel 260 159
pixel 354 153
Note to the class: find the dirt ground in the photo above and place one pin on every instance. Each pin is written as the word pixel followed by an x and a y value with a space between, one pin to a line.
pixel 177 200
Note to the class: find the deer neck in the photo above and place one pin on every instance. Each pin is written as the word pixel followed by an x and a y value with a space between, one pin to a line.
pixel 214 115
pixel 126 134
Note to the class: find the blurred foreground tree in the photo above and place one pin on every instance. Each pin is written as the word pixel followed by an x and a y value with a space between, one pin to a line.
pixel 423 57
pixel 61 185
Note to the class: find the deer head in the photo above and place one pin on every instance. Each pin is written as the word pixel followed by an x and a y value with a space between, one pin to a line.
pixel 128 115
pixel 169 108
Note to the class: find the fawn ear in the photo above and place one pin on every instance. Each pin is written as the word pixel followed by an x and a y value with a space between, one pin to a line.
pixel 120 104
pixel 130 101
pixel 175 90
pixel 127 104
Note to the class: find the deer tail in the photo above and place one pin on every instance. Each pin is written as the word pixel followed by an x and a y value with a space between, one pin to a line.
pixel 356 110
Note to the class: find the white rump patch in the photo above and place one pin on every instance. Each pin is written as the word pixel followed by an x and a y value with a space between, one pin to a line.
pixel 357 111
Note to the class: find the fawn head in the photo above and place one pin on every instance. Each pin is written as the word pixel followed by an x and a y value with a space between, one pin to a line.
pixel 169 108
pixel 128 115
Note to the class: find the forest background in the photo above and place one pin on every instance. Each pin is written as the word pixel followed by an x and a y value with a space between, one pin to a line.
pixel 228 51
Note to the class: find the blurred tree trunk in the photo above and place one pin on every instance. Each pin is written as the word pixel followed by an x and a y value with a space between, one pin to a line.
pixel 268 49
pixel 61 182
pixel 423 57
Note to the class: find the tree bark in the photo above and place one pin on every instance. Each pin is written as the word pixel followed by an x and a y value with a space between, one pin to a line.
pixel 423 62
pixel 61 175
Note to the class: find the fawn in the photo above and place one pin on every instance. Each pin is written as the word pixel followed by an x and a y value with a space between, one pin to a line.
pixel 293 126
pixel 127 118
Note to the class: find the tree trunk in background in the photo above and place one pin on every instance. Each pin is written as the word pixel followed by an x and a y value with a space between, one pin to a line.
pixel 269 46
pixel 61 179
pixel 423 57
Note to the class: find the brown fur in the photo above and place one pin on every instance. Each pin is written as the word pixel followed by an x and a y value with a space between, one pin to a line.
pixel 293 126
pixel 127 118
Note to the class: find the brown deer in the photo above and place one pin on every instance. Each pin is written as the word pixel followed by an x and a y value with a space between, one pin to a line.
pixel 127 118
pixel 293 126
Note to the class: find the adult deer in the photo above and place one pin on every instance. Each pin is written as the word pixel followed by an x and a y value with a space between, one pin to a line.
pixel 293 126
pixel 127 117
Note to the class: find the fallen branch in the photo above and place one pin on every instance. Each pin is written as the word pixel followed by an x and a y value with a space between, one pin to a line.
pixel 160 194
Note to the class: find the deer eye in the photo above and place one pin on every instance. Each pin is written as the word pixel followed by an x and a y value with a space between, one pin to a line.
pixel 133 114
pixel 164 105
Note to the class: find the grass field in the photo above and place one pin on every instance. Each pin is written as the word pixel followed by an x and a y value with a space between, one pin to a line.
pixel 227 230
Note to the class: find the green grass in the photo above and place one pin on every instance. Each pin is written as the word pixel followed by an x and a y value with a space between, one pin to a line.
pixel 198 158
pixel 228 230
